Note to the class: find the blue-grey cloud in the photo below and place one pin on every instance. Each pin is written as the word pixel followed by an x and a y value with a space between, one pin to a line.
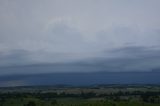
pixel 127 59
pixel 79 79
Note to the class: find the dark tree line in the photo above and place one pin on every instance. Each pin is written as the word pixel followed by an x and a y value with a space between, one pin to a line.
pixel 152 97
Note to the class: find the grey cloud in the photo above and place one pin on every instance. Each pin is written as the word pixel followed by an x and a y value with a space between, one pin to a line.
pixel 14 57
pixel 120 36
pixel 133 59
pixel 121 60
pixel 65 37
pixel 80 35
pixel 126 59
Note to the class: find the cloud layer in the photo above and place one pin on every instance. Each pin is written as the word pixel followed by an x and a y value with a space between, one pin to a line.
pixel 79 35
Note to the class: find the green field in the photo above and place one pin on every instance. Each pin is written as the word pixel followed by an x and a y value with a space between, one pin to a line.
pixel 81 96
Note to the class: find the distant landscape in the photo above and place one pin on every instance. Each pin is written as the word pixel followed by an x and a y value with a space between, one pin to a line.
pixel 81 89
pixel 97 95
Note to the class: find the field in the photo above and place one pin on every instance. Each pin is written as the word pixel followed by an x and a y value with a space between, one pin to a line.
pixel 99 95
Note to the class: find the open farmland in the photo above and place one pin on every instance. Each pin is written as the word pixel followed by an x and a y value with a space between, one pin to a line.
pixel 99 95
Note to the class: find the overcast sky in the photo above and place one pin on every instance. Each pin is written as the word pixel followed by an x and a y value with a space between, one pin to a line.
pixel 42 36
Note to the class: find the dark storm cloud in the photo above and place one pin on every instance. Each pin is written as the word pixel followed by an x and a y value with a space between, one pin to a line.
pixel 14 57
pixel 125 59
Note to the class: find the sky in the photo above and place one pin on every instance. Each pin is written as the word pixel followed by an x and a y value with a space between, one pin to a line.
pixel 47 36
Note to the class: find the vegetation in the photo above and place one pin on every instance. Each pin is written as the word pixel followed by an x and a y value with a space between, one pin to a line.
pixel 99 96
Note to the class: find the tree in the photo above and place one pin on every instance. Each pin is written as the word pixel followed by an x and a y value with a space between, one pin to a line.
pixel 31 103
pixel 54 102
